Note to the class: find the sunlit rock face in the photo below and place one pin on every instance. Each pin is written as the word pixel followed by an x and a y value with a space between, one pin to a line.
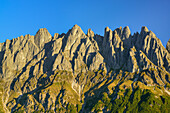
pixel 64 72
pixel 168 46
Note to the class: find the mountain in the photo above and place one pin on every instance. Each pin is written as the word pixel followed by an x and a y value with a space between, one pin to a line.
pixel 78 72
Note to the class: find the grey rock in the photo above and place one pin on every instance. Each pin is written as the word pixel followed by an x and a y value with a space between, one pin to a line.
pixel 42 37
pixel 31 64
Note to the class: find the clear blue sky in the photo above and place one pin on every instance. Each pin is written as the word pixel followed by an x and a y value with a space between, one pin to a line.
pixel 21 17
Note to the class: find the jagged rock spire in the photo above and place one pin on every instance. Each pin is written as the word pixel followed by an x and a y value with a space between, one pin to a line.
pixel 126 32
pixel 90 33
pixel 144 30
pixel 41 73
pixel 42 37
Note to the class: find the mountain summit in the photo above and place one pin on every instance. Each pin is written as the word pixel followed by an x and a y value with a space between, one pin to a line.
pixel 78 72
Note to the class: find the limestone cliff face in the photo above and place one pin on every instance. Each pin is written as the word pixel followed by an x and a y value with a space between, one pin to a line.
pixel 168 46
pixel 42 37
pixel 51 72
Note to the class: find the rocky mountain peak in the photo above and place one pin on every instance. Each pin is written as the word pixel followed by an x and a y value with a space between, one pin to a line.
pixel 144 30
pixel 41 30
pixel 107 29
pixel 90 33
pixel 42 36
pixel 119 31
pixel 76 27
pixel 76 30
pixel 126 32
pixel 75 72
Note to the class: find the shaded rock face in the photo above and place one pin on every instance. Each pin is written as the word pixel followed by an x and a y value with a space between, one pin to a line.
pixel 49 73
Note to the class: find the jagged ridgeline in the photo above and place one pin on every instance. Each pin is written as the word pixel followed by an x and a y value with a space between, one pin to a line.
pixel 78 72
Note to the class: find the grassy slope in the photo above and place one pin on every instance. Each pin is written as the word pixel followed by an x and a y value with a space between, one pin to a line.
pixel 100 93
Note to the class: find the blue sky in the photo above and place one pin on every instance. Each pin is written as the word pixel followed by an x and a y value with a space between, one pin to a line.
pixel 21 17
